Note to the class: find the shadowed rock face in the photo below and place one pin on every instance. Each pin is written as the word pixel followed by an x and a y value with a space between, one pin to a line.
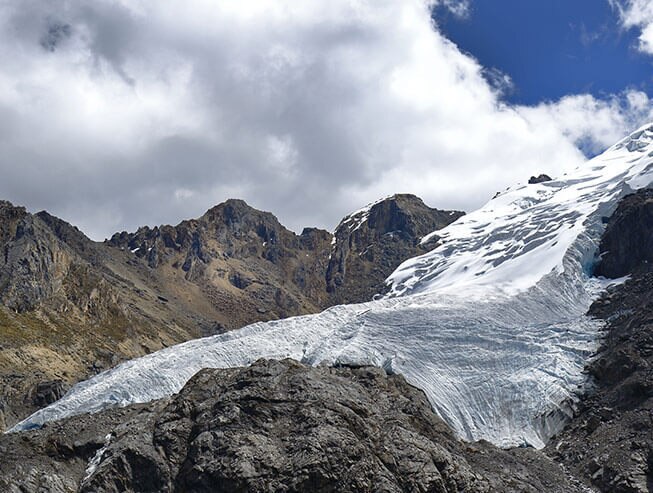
pixel 371 244
pixel 45 393
pixel 627 244
pixel 274 426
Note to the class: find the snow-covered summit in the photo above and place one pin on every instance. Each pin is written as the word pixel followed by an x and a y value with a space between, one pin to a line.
pixel 491 324
pixel 525 232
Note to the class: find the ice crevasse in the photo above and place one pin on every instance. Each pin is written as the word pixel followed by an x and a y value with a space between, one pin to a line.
pixel 490 324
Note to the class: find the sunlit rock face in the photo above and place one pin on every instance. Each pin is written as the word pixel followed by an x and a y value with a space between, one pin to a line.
pixel 490 324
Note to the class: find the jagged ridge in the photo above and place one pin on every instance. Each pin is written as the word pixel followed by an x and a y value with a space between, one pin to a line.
pixel 71 307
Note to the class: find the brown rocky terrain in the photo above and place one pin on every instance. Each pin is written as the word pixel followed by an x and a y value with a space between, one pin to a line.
pixel 70 307
pixel 273 426
pixel 245 265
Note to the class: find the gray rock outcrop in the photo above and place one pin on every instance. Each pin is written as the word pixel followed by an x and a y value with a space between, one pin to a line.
pixel 627 244
pixel 274 426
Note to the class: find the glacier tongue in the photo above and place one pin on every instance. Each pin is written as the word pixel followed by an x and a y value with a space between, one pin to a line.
pixel 490 324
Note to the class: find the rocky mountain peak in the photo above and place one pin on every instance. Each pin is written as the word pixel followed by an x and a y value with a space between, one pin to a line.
pixel 534 180
pixel 6 207
pixel 236 214
pixel 10 215
pixel 371 242
pixel 66 232
pixel 35 260
pixel 236 252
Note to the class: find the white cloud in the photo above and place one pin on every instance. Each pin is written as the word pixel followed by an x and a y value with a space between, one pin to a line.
pixel 459 8
pixel 119 113
pixel 591 123
pixel 637 14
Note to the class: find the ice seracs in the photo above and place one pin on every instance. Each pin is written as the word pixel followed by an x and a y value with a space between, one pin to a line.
pixel 490 324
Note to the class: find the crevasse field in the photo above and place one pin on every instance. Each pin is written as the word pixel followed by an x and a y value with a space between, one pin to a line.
pixel 490 324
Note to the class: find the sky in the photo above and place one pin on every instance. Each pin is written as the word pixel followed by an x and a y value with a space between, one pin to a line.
pixel 553 48
pixel 120 113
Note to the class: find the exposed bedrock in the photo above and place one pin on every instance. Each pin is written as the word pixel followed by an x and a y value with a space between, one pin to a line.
pixel 627 244
pixel 71 307
pixel 273 426
pixel 370 244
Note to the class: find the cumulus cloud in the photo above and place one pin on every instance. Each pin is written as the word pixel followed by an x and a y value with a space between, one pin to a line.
pixel 637 14
pixel 590 123
pixel 119 113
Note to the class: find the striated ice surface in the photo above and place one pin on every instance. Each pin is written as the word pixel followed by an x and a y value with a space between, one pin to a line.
pixel 490 324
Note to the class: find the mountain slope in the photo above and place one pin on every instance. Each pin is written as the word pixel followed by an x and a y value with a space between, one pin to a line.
pixel 505 294
pixel 242 260
pixel 70 307
pixel 610 440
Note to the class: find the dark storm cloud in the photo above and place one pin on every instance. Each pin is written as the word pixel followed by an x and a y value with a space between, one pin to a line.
pixel 115 114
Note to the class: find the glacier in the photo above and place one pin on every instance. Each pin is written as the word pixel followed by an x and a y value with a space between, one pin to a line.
pixel 490 324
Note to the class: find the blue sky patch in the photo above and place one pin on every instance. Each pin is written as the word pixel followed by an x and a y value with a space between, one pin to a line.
pixel 551 49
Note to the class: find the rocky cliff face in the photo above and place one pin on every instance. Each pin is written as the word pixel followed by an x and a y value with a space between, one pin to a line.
pixel 69 308
pixel 610 441
pixel 370 244
pixel 627 245
pixel 34 263
pixel 274 426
